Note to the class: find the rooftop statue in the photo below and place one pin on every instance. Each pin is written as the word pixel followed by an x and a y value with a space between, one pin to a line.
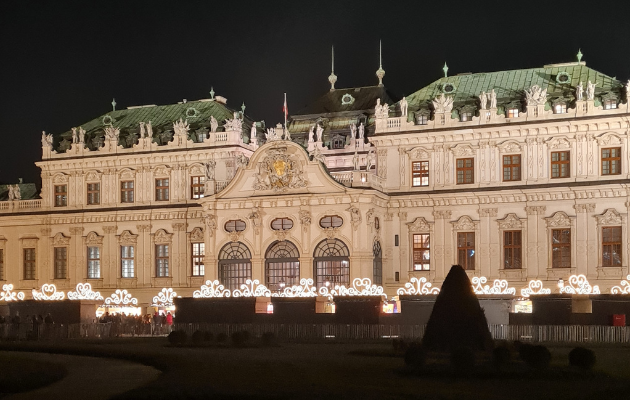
pixel 403 107
pixel 47 140
pixel 272 134
pixel 213 124
pixel 443 104
pixel 483 100
pixel 81 135
pixel 318 155
pixel 111 133
pixel 74 136
pixel 381 111
pixel 253 132
pixel 320 131
pixel 493 99
pixel 361 131
pixel 149 130
pixel 353 131
pixel 143 131
pixel 310 134
pixel 371 158
pixel 536 96
pixel 355 161
pixel 579 91
pixel 590 91
pixel 234 124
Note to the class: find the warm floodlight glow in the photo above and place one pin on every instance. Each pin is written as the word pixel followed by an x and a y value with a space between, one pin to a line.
pixel 360 287
pixel 304 289
pixel 500 286
pixel 624 287
pixel 48 292
pixel 164 298
pixel 535 287
pixel 578 284
pixel 418 286
pixel 9 295
pixel 212 289
pixel 84 292
pixel 120 297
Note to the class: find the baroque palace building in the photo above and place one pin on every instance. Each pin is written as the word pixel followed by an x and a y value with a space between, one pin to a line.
pixel 516 175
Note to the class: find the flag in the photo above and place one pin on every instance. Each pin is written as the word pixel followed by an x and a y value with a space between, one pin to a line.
pixel 285 109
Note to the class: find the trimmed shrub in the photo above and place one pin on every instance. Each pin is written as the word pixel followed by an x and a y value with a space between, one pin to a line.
pixel 268 339
pixel 537 357
pixel 582 358
pixel 501 357
pixel 415 356
pixel 240 338
pixel 463 360
pixel 197 337
pixel 222 337
pixel 208 336
pixel 177 337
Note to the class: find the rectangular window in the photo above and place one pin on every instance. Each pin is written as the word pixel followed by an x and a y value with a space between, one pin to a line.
pixel 161 260
pixel 465 170
pixel 466 250
pixel 29 264
pixel 465 116
pixel 611 161
pixel 61 262
pixel 126 262
pixel 561 248
pixel 610 104
pixel 611 246
pixel 161 189
pixel 512 168
pixel 512 113
pixel 94 262
pixel 126 192
pixel 560 164
pixel 197 184
pixel 421 252
pixel 198 253
pixel 61 195
pixel 93 193
pixel 1 264
pixel 560 109
pixel 420 173
pixel 512 250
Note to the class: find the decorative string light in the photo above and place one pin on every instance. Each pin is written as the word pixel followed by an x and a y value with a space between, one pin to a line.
pixel 578 284
pixel 48 292
pixel 9 295
pixel 418 286
pixel 499 286
pixel 84 292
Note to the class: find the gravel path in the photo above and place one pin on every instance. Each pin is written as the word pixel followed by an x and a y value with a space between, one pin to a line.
pixel 89 377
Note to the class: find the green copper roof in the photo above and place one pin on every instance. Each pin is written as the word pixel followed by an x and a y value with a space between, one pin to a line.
pixel 197 113
pixel 510 85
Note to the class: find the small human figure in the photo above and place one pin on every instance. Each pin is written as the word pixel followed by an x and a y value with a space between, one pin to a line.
pixel 403 106
pixel 483 99
pixel 320 131
pixel 579 91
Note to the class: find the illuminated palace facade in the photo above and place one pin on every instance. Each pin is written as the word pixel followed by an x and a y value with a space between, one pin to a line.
pixel 517 175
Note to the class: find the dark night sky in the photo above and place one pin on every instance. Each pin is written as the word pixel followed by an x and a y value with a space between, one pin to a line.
pixel 62 62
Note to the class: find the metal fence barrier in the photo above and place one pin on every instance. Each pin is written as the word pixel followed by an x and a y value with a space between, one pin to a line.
pixel 297 332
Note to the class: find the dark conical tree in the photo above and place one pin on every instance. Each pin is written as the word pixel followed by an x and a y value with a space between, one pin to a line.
pixel 457 319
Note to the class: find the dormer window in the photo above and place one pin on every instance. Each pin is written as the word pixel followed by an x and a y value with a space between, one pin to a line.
pixel 512 112
pixel 560 108
pixel 610 104
pixel 422 117
pixel 465 116
pixel 338 142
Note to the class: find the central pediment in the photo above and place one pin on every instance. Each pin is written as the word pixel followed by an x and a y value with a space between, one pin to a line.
pixel 280 167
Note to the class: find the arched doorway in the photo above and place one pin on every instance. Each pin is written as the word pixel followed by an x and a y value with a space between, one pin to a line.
pixel 282 265
pixel 235 265
pixel 377 264
pixel 331 263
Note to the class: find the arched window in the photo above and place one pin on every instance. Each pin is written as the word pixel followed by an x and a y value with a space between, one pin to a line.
pixel 332 263
pixel 235 225
pixel 282 265
pixel 235 265
pixel 377 264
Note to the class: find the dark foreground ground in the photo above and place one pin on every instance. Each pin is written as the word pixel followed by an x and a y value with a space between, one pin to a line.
pixel 329 370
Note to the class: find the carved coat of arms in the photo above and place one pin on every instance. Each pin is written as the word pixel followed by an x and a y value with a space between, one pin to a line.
pixel 278 172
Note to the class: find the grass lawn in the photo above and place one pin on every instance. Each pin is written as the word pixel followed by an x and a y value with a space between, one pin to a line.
pixel 328 370
pixel 19 374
